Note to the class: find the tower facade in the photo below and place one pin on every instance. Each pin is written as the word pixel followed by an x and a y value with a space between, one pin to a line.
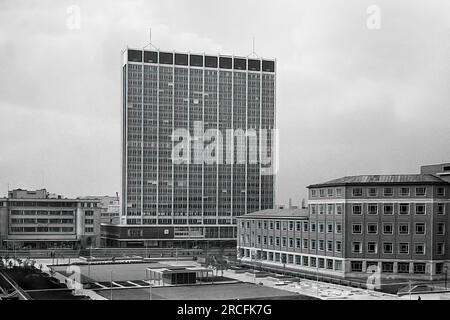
pixel 198 142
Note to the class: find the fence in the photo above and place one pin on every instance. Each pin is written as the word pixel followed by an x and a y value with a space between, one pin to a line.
pixel 113 252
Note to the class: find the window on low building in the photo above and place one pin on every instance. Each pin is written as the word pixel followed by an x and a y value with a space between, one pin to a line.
pixel 420 209
pixel 388 209
pixel 356 266
pixel 440 208
pixel 403 267
pixel 404 208
pixel 403 228
pixel 357 192
pixel 357 209
pixel 387 248
pixel 321 227
pixel 388 228
pixel 330 264
pixel 403 248
pixel 305 243
pixel 372 208
pixel 404 192
pixel 420 228
pixel 321 209
pixel 291 225
pixel 277 257
pixel 440 229
pixel 372 192
pixel 419 248
pixel 330 246
pixel 371 247
pixel 330 209
pixel 440 248
pixel 321 245
pixel 356 247
pixel 388 192
pixel 321 263
pixel 372 228
pixel 329 227
pixel 357 228
pixel 387 267
pixel 305 261
pixel 330 192
pixel 305 226
pixel 421 191
pixel 290 259
pixel 419 268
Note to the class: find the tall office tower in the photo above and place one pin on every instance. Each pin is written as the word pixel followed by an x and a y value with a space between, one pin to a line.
pixel 198 141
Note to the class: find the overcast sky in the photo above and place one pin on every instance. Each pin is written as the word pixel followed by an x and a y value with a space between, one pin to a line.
pixel 351 100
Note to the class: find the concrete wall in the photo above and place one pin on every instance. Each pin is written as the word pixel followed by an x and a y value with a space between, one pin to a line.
pixel 3 223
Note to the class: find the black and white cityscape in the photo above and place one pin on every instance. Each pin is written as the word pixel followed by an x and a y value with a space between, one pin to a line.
pixel 240 150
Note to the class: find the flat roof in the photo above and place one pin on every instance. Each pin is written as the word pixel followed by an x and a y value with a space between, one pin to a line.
pixel 200 60
pixel 231 291
pixel 180 270
pixel 49 200
pixel 297 213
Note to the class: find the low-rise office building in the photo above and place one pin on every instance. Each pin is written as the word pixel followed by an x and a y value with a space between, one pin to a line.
pixel 39 220
pixel 109 208
pixel 393 224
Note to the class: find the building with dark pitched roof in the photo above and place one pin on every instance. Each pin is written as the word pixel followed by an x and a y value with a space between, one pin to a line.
pixel 395 225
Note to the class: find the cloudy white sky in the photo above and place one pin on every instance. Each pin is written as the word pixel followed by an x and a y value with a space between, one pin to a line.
pixel 350 100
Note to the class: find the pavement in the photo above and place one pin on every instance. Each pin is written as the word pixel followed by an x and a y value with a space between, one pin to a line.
pixel 321 290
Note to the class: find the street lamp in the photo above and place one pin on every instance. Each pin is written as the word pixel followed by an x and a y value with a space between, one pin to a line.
pixel 150 283
pixel 445 276
pixel 111 297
